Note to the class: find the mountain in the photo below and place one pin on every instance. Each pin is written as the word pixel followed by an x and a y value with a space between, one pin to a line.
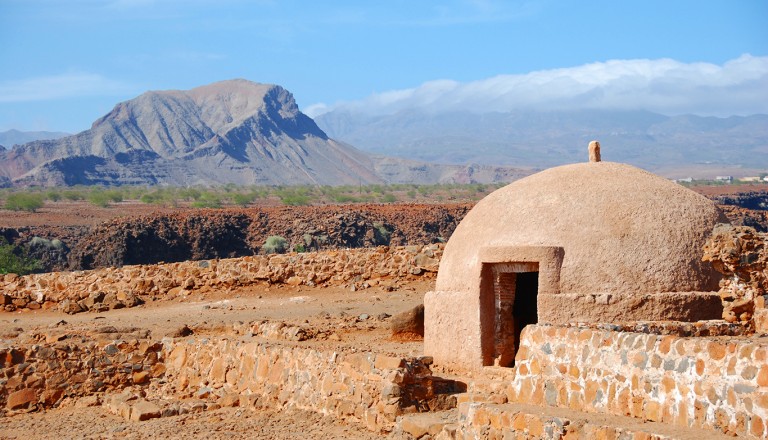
pixel 233 131
pixel 13 137
pixel 547 138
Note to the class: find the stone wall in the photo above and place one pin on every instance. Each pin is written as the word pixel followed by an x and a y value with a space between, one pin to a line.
pixel 741 255
pixel 712 383
pixel 372 389
pixel 54 366
pixel 103 289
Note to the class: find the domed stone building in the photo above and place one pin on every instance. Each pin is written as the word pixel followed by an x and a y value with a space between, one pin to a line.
pixel 589 242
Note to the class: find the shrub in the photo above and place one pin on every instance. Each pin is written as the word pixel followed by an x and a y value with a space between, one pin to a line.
pixel 243 199
pixel 293 196
pixel 54 244
pixel 99 198
pixel 345 198
pixel 190 194
pixel 389 198
pixel 381 234
pixel 299 248
pixel 275 244
pixel 73 195
pixel 207 200
pixel 53 196
pixel 16 261
pixel 24 202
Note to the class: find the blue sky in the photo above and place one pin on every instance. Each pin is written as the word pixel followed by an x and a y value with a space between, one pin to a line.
pixel 63 64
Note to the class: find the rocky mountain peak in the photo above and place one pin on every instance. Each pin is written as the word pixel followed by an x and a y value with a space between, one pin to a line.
pixel 234 131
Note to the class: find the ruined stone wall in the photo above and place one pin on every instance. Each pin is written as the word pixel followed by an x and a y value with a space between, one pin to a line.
pixel 129 373
pixel 369 388
pixel 711 383
pixel 741 255
pixel 103 289
pixel 60 366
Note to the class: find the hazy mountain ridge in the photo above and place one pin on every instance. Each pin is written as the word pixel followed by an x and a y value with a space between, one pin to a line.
pixel 13 137
pixel 232 131
pixel 542 139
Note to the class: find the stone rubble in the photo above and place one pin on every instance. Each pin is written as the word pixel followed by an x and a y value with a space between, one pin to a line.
pixel 741 255
pixel 112 288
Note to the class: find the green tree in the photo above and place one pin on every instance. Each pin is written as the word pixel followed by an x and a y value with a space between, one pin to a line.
pixel 208 200
pixel 13 260
pixel 24 202
pixel 243 199
pixel 99 198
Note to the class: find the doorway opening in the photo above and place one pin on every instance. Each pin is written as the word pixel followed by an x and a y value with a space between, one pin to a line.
pixel 515 289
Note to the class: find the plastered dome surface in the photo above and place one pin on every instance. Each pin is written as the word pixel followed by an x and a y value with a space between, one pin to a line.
pixel 623 230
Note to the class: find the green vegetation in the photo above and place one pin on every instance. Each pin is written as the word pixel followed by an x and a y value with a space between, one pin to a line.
pixel 104 198
pixel 294 195
pixel 16 260
pixel 243 199
pixel 381 233
pixel 275 244
pixel 24 202
pixel 32 199
pixel 207 200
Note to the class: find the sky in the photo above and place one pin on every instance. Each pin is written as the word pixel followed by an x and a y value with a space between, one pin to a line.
pixel 63 64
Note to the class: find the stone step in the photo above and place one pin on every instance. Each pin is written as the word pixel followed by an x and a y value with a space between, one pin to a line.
pixel 484 420
pixel 421 425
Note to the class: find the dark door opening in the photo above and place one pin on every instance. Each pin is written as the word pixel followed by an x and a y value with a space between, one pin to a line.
pixel 515 291
pixel 524 310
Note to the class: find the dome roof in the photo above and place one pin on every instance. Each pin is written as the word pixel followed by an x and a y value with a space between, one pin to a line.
pixel 623 230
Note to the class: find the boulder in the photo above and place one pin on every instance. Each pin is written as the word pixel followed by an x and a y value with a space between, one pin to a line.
pixel 408 324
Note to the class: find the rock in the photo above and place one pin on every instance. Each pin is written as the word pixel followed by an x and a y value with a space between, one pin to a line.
pixel 181 332
pixel 408 324
pixel 141 377
pixel 88 401
pixel 143 410
pixel 70 307
pixel 741 254
pixel 294 281
pixel 21 399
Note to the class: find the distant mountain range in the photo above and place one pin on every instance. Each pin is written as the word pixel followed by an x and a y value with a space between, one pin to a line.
pixel 543 139
pixel 12 137
pixel 232 131
pixel 243 132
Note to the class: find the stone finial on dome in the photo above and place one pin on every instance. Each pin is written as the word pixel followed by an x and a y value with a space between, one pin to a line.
pixel 594 151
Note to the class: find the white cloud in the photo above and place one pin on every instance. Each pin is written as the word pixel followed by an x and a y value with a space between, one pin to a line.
pixel 738 87
pixel 66 85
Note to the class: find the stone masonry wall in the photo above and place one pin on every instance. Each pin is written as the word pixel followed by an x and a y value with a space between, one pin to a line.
pixel 55 366
pixel 717 383
pixel 103 289
pixel 741 255
pixel 370 388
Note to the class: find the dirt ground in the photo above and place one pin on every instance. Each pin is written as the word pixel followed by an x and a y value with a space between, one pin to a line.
pixel 224 423
pixel 340 319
